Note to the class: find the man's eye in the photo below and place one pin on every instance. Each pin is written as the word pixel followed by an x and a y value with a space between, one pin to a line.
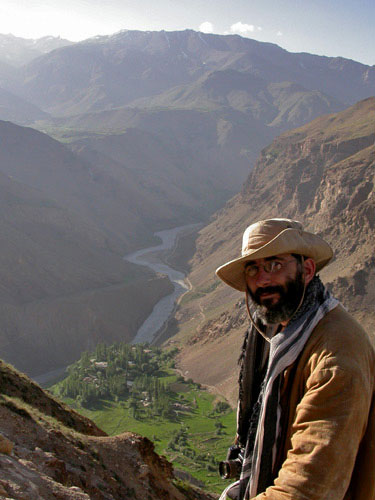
pixel 273 266
pixel 251 270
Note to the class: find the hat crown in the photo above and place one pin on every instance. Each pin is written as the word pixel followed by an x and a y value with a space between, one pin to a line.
pixel 260 233
pixel 271 237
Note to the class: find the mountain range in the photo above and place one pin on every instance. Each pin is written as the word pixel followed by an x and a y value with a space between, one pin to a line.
pixel 215 99
pixel 112 71
pixel 131 133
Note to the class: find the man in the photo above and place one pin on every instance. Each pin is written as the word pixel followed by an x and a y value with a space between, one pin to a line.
pixel 306 416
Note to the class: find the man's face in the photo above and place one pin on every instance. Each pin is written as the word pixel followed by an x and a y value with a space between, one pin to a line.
pixel 275 286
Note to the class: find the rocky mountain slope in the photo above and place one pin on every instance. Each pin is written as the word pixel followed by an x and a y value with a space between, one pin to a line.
pixel 48 451
pixel 321 174
pixel 122 208
pixel 270 102
pixel 64 282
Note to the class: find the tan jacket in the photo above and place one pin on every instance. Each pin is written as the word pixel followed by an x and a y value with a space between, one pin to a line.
pixel 327 396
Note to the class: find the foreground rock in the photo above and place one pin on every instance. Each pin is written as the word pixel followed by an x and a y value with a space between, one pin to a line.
pixel 57 453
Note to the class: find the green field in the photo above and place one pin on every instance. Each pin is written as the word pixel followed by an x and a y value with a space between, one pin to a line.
pixel 194 434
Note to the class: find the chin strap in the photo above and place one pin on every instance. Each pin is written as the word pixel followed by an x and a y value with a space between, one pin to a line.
pixel 263 334
pixel 297 309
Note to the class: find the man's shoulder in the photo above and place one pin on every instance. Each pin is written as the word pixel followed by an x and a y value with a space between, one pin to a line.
pixel 339 324
pixel 339 336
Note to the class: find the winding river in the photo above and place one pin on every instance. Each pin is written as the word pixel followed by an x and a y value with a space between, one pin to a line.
pixel 152 258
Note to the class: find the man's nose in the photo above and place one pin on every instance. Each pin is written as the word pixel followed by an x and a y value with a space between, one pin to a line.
pixel 262 278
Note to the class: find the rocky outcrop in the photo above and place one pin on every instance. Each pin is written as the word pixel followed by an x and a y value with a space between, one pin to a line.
pixel 48 451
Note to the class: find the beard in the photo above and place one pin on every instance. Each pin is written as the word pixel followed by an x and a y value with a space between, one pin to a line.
pixel 286 306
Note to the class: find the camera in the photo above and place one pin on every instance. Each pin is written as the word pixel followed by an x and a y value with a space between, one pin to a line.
pixel 231 467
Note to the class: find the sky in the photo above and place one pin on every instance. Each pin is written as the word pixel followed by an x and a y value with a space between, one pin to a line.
pixel 325 27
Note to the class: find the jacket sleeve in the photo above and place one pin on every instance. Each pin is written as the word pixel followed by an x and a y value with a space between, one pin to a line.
pixel 327 428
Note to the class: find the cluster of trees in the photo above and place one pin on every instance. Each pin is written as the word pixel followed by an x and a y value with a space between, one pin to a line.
pixel 121 372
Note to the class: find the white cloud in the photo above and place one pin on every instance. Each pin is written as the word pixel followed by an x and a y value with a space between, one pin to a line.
pixel 206 27
pixel 243 28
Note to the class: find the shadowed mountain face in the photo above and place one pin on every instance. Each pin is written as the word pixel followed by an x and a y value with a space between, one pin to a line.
pixel 113 200
pixel 16 109
pixel 193 159
pixel 42 163
pixel 321 174
pixel 64 285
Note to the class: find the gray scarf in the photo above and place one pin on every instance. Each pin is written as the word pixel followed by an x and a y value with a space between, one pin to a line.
pixel 258 426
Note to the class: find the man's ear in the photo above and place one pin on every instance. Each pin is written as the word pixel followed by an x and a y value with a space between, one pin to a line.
pixel 309 267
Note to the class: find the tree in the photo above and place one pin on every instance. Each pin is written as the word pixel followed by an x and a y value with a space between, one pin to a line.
pixel 85 362
pixel 219 427
pixel 133 405
pixel 221 407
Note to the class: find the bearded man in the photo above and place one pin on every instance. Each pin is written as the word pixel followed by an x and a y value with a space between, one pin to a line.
pixel 306 416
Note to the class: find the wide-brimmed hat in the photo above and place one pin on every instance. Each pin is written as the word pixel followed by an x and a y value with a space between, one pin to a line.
pixel 271 237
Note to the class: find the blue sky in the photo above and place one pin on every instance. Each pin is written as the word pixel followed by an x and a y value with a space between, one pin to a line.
pixel 331 27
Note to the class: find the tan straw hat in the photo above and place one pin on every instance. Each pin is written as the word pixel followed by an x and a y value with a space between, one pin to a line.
pixel 270 237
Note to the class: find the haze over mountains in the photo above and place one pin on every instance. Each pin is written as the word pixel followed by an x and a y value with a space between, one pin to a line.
pixel 159 129
pixel 112 71
pixel 17 51
pixel 219 99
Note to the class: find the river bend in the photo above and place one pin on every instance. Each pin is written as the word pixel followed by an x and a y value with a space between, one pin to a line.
pixel 152 258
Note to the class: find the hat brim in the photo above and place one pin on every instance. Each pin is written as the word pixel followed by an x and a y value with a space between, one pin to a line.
pixel 287 241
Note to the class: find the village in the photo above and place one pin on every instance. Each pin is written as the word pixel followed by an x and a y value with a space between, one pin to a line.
pixel 122 372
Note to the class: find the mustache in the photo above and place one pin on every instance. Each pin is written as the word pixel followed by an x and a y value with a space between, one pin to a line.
pixel 267 289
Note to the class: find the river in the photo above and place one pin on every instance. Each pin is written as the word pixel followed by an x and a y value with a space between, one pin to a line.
pixel 152 257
